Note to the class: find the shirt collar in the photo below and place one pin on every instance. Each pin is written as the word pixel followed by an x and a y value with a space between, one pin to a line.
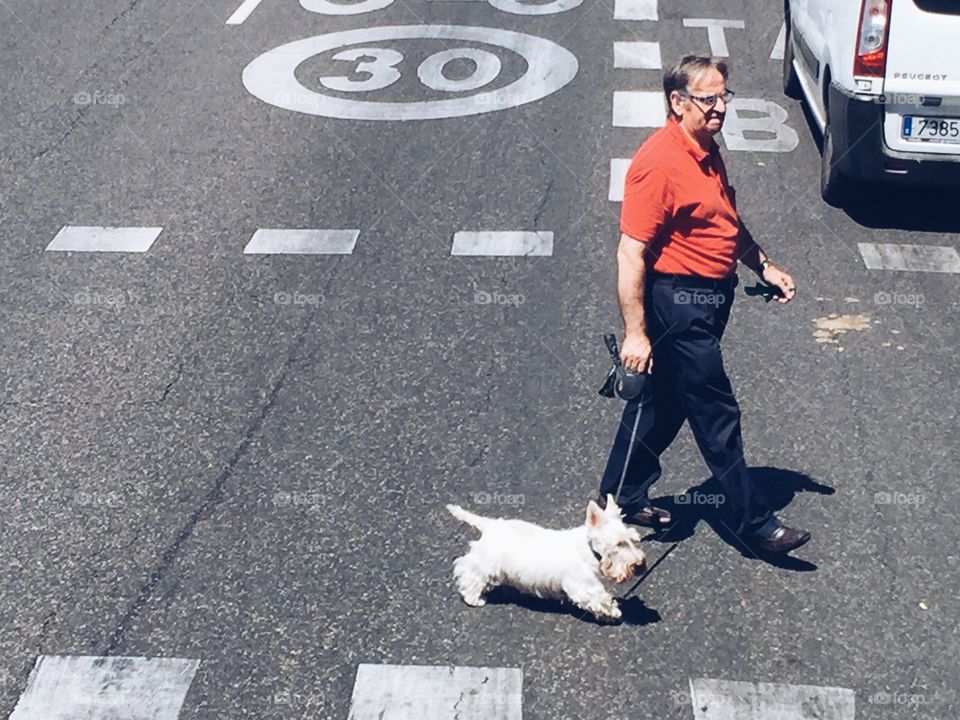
pixel 688 143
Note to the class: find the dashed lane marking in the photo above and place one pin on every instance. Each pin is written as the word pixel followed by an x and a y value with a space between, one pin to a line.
pixel 723 700
pixel 62 687
pixel 82 238
pixel 243 12
pixel 516 243
pixel 618 178
pixel 419 692
pixel 637 55
pixel 302 242
pixel 916 258
pixel 639 109
pixel 635 10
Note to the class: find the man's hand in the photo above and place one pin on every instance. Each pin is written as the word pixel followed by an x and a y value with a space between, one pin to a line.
pixel 775 276
pixel 637 353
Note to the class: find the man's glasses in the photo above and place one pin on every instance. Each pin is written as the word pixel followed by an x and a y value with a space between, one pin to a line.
pixel 710 100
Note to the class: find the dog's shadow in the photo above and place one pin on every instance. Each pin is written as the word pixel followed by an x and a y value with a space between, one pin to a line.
pixel 635 612
pixel 687 510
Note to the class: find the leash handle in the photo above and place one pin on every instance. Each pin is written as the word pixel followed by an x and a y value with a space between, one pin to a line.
pixel 610 340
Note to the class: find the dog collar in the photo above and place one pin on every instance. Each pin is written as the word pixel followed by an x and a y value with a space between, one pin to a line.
pixel 597 555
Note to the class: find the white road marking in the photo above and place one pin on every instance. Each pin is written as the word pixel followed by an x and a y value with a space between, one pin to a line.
pixel 771 121
pixel 81 687
pixel 302 242
pixel 618 178
pixel 715 32
pixel 419 692
pixel 84 238
pixel 780 45
pixel 272 76
pixel 243 12
pixel 723 700
pixel 510 244
pixel 916 258
pixel 637 55
pixel 325 7
pixel 635 10
pixel 639 108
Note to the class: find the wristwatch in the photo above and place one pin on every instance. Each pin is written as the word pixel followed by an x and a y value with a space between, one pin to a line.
pixel 764 265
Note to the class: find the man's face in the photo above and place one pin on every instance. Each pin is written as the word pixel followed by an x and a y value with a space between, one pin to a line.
pixel 696 116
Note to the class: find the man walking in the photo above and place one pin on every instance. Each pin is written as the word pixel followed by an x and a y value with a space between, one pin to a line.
pixel 680 242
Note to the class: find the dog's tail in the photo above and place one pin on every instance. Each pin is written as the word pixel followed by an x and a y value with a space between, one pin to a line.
pixel 477 521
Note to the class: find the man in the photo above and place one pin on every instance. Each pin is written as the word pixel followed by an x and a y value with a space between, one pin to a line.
pixel 680 242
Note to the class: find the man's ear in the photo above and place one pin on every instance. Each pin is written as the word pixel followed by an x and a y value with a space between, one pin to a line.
pixel 676 102
pixel 594 514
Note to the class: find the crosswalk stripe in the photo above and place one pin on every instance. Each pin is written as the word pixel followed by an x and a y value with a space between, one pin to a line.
pixel 618 178
pixel 80 687
pixel 87 238
pixel 916 258
pixel 243 12
pixel 637 55
pixel 635 10
pixel 422 692
pixel 639 109
pixel 515 243
pixel 725 700
pixel 302 242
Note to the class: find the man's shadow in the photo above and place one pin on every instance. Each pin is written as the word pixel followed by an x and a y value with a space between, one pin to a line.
pixel 704 502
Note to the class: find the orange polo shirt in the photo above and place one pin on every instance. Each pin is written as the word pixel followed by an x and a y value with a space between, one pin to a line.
pixel 678 199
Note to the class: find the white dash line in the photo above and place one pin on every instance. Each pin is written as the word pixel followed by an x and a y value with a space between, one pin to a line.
pixel 639 109
pixel 243 12
pixel 637 55
pixel 618 178
pixel 401 692
pixel 87 238
pixel 915 258
pixel 726 700
pixel 272 241
pixel 503 244
pixel 635 10
pixel 67 687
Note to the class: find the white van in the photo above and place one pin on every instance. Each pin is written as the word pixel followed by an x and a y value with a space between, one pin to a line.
pixel 882 81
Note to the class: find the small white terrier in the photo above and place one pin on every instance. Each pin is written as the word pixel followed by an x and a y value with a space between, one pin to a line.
pixel 551 563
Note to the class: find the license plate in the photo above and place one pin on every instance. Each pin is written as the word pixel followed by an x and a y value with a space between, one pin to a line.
pixel 931 129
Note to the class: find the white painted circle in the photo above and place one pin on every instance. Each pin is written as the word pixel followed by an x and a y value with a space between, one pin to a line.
pixel 326 7
pixel 271 76
pixel 487 68
pixel 519 8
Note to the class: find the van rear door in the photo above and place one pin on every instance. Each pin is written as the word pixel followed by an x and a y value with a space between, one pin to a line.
pixel 922 80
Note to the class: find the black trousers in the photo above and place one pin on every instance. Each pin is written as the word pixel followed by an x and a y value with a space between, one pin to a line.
pixel 686 318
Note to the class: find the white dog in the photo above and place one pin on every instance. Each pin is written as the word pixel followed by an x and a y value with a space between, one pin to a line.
pixel 551 563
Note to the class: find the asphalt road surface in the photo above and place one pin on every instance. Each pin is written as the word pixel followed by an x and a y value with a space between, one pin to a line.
pixel 238 462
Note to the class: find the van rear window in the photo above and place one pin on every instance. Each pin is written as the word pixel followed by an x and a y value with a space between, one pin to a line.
pixel 942 7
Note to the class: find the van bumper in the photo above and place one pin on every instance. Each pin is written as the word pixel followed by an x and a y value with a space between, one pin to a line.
pixel 857 126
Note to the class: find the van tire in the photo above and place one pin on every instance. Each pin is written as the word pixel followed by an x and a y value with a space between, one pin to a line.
pixel 833 185
pixel 791 83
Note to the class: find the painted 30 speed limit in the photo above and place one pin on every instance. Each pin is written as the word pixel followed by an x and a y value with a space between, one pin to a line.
pixel 373 59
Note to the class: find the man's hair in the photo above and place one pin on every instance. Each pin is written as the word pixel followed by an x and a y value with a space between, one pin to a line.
pixel 688 68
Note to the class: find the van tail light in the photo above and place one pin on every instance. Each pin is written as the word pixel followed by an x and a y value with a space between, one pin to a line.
pixel 871 56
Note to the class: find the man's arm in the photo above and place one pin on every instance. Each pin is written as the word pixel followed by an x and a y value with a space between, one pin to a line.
pixel 753 256
pixel 636 351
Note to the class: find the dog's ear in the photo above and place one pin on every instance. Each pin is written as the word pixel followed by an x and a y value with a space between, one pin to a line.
pixel 594 514
pixel 612 507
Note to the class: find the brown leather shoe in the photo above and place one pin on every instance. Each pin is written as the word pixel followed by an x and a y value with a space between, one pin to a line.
pixel 782 539
pixel 647 516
